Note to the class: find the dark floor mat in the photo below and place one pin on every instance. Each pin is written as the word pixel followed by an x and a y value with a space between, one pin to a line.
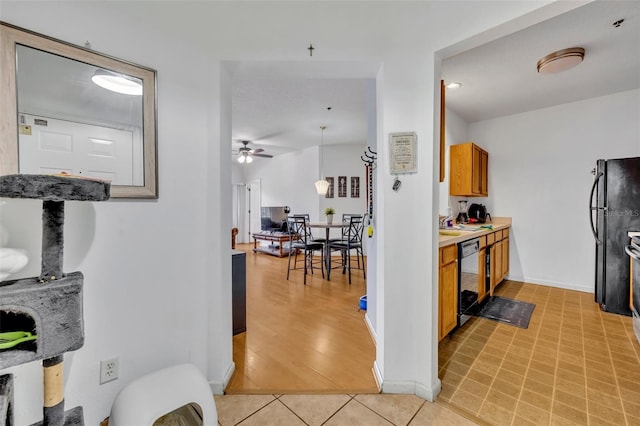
pixel 508 311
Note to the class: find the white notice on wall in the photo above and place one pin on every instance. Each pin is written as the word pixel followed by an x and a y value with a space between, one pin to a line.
pixel 403 153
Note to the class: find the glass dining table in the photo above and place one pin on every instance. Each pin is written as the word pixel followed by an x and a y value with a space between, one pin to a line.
pixel 328 227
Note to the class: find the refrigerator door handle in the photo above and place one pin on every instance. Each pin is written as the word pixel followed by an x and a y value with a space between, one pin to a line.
pixel 592 207
pixel 631 251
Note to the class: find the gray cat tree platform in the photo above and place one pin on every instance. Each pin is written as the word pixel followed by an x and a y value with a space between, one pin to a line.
pixel 50 305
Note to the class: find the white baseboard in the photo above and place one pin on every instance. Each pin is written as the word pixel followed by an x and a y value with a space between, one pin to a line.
pixel 372 331
pixel 429 394
pixel 417 389
pixel 377 375
pixel 549 283
pixel 398 387
pixel 218 388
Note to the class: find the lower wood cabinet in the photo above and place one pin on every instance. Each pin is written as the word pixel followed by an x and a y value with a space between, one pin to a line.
pixel 496 259
pixel 499 258
pixel 505 253
pixel 496 246
pixel 482 277
pixel 447 290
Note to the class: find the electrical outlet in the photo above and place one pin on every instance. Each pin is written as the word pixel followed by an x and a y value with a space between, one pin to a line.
pixel 109 370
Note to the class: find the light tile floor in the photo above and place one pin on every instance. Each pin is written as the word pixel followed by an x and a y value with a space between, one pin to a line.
pixel 334 410
pixel 573 365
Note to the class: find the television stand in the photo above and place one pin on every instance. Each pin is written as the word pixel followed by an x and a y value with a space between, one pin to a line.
pixel 277 240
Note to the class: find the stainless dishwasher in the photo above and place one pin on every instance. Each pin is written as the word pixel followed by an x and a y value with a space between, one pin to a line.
pixel 468 269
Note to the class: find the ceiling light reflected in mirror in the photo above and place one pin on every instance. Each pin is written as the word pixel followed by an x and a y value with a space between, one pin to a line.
pixel 118 83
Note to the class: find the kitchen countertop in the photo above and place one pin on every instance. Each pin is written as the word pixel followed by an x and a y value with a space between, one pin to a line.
pixel 497 222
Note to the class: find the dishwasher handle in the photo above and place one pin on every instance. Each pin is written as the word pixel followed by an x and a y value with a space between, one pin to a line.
pixel 469 247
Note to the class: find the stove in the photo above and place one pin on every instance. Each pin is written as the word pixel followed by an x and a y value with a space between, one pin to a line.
pixel 633 250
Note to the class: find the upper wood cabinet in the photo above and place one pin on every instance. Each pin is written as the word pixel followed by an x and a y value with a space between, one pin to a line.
pixel 468 170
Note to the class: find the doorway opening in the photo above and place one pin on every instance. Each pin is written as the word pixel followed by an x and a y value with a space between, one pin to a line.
pixel 266 272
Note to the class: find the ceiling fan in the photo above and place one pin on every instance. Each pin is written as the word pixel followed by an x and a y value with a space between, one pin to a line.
pixel 246 154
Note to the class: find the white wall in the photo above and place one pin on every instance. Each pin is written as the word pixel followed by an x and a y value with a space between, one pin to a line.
pixel 287 180
pixel 146 263
pixel 455 133
pixel 371 242
pixel 237 172
pixel 539 173
pixel 344 160
pixel 162 268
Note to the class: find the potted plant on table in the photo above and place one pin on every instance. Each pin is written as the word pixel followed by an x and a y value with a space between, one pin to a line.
pixel 329 212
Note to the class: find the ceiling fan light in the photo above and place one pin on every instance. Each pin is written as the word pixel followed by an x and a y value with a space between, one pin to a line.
pixel 561 60
pixel 249 159
pixel 241 159
pixel 322 186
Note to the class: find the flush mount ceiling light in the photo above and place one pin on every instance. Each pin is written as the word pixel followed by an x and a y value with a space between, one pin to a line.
pixel 119 83
pixel 561 60
pixel 453 85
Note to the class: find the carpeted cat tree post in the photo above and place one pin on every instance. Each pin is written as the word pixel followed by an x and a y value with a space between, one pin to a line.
pixel 48 307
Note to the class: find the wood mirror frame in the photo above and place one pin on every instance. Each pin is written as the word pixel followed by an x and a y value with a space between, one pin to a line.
pixel 442 130
pixel 10 37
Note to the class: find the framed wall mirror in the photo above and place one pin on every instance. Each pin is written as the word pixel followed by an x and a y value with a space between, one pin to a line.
pixel 68 109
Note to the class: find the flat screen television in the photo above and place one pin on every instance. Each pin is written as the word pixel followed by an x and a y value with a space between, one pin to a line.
pixel 274 219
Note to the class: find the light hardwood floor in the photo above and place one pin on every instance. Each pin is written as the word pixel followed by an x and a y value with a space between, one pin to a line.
pixel 301 339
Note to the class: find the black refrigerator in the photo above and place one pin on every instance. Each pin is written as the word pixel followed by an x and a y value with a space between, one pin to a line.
pixel 615 210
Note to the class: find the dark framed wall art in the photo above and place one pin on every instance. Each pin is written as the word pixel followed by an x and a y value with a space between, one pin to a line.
pixel 330 191
pixel 355 186
pixel 342 186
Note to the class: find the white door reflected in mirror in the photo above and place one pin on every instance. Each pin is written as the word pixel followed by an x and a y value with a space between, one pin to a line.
pixel 51 146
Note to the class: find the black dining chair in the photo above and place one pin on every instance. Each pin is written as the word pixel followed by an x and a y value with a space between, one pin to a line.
pixel 345 225
pixel 313 237
pixel 301 240
pixel 352 240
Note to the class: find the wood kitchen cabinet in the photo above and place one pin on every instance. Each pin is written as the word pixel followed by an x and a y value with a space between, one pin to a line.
pixel 505 253
pixel 498 258
pixel 447 290
pixel 482 264
pixel 468 165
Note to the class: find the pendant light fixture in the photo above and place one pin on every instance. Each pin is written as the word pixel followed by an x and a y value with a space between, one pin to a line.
pixel 322 185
